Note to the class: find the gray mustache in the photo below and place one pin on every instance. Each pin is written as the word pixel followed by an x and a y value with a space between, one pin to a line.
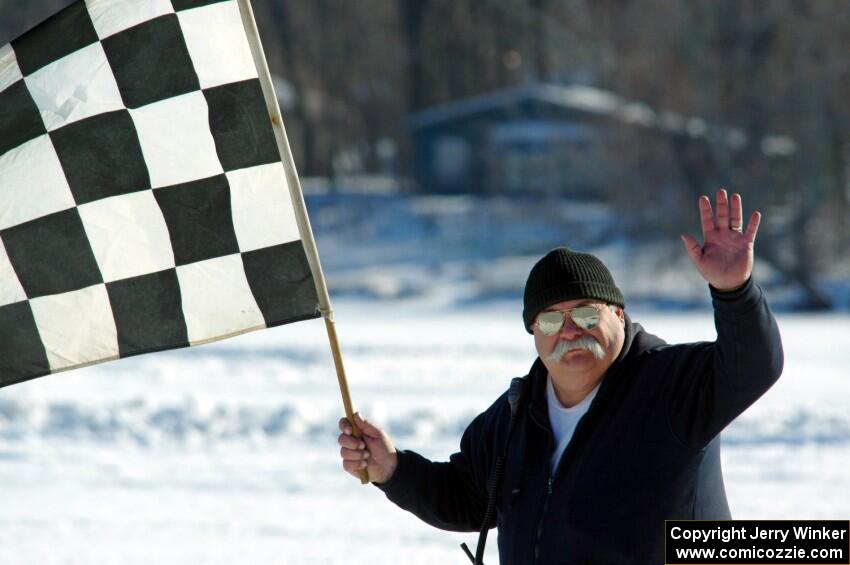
pixel 586 342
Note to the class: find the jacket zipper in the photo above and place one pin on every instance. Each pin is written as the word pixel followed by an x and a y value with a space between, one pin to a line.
pixel 549 480
pixel 542 518
pixel 593 408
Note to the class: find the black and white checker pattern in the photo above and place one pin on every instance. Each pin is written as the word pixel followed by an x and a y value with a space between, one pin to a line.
pixel 143 201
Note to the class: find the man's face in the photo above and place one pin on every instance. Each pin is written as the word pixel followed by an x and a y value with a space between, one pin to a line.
pixel 580 366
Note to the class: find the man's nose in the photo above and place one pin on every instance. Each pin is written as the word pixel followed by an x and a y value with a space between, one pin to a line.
pixel 570 330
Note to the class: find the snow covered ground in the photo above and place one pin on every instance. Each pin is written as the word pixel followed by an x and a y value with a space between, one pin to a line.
pixel 227 453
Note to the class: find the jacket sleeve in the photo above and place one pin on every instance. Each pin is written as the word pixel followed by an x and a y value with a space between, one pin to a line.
pixel 447 495
pixel 713 383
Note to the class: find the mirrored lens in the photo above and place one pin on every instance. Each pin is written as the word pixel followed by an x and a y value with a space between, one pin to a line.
pixel 585 317
pixel 550 322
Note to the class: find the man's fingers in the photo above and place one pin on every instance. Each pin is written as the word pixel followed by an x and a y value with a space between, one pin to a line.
pixel 753 226
pixel 722 210
pixel 352 450
pixel 365 427
pixel 345 426
pixel 705 216
pixel 351 442
pixel 353 454
pixel 736 213
pixel 354 467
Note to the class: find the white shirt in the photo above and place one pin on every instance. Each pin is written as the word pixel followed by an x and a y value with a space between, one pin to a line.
pixel 564 420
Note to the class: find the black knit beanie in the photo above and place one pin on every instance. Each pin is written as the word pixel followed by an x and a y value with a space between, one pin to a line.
pixel 564 274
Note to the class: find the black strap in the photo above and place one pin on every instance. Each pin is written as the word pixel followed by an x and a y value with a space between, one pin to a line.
pixel 516 393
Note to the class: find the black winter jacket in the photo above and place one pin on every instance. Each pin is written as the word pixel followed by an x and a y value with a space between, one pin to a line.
pixel 648 448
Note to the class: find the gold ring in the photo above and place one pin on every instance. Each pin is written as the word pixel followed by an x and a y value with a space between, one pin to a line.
pixel 738 229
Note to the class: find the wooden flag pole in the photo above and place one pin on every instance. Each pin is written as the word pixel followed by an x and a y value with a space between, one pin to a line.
pixel 294 187
pixel 343 388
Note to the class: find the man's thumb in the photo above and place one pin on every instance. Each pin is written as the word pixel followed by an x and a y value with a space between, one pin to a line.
pixel 366 427
pixel 692 247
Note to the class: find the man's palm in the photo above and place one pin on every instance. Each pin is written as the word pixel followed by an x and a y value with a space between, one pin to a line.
pixel 725 259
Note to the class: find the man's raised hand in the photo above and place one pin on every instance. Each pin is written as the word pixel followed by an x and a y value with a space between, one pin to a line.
pixel 725 258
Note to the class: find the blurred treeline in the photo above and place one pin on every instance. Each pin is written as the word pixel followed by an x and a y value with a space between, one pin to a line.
pixel 354 70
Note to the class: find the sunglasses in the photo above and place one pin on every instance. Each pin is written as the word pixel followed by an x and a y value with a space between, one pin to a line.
pixel 586 317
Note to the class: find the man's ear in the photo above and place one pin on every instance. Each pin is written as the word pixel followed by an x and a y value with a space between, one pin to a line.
pixel 619 312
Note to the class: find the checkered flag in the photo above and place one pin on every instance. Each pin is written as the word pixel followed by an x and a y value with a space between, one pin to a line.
pixel 144 201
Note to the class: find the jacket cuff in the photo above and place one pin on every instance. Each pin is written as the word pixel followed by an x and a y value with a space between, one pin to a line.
pixel 739 301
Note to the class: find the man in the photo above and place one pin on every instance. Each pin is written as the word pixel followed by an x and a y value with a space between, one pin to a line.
pixel 615 431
